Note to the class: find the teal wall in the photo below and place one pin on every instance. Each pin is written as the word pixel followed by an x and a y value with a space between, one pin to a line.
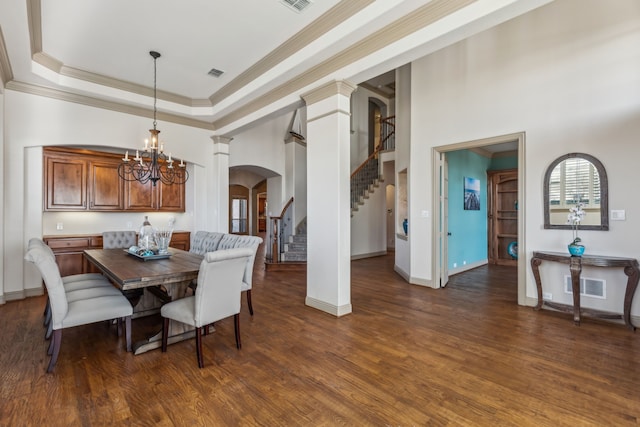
pixel 501 163
pixel 468 240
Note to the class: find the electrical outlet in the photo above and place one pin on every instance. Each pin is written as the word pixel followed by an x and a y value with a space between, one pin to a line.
pixel 464 262
pixel 59 226
pixel 129 225
pixel 547 296
pixel 455 264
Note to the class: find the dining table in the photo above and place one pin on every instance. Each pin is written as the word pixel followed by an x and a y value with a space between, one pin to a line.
pixel 167 276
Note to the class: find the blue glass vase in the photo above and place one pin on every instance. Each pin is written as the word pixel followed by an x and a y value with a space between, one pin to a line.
pixel 576 250
pixel 405 226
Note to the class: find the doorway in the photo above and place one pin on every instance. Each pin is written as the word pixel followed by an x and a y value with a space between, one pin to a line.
pixel 440 260
pixel 238 209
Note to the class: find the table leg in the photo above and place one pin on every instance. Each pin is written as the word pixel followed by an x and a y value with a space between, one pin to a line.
pixel 576 269
pixel 633 275
pixel 535 263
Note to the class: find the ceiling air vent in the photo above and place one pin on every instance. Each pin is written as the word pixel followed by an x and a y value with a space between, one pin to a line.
pixel 215 72
pixel 297 5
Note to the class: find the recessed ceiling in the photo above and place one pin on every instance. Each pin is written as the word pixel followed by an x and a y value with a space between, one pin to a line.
pixel 270 54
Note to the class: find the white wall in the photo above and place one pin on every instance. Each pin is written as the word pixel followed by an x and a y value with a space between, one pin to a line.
pixel 369 226
pixel 262 146
pixel 403 151
pixel 360 124
pixel 567 74
pixel 32 122
pixel 4 205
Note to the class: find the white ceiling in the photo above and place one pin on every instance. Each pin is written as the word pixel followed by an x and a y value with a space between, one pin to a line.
pixel 269 53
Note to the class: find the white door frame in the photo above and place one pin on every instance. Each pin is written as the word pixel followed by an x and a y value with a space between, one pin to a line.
pixel 436 152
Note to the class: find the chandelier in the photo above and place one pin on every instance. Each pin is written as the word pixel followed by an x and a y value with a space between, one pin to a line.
pixel 153 164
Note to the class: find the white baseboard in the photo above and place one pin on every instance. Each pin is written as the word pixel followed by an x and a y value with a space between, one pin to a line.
pixel 22 294
pixel 369 255
pixel 328 308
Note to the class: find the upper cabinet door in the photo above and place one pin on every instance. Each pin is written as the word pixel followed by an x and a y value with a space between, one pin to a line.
pixel 139 197
pixel 106 188
pixel 170 197
pixel 66 184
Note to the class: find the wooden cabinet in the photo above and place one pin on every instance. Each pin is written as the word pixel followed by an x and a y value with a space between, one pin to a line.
pixel 146 197
pixel 69 253
pixel 69 250
pixel 106 189
pixel 181 240
pixel 503 216
pixel 83 180
pixel 65 183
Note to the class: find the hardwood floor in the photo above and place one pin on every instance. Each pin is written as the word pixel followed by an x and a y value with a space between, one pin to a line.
pixel 406 356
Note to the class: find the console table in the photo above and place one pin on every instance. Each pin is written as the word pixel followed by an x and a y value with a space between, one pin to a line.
pixel 630 266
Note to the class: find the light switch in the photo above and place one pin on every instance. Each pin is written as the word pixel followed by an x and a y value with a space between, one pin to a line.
pixel 59 226
pixel 618 215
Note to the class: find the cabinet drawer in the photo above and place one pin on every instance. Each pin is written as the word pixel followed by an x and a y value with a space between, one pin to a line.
pixel 74 243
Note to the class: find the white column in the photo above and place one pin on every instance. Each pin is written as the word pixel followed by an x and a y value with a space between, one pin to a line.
pixel 218 191
pixel 328 198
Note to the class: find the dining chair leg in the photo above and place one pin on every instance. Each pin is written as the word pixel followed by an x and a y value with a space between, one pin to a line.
pixel 119 326
pixel 47 334
pixel 127 332
pixel 236 322
pixel 165 333
pixel 47 313
pixel 199 347
pixel 57 340
pixel 249 302
pixel 50 349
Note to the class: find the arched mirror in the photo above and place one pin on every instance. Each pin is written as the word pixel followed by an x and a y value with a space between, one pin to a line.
pixel 573 178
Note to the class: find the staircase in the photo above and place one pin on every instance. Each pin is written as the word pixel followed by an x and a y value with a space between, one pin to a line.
pixel 288 251
pixel 364 194
pixel 295 248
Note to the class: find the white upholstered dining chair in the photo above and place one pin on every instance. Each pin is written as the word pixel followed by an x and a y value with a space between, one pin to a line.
pixel 69 310
pixel 77 285
pixel 217 296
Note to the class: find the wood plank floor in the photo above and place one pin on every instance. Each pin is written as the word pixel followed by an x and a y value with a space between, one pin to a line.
pixel 406 356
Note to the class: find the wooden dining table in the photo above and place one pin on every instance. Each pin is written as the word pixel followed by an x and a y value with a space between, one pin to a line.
pixel 172 274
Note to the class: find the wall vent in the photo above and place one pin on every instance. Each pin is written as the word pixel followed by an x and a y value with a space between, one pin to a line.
pixel 596 288
pixel 215 72
pixel 296 5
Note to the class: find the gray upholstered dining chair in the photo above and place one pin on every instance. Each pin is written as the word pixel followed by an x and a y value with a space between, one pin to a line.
pixel 67 311
pixel 80 285
pixel 118 239
pixel 217 296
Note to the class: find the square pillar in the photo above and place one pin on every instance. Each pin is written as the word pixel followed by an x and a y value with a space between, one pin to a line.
pixel 328 198
pixel 218 190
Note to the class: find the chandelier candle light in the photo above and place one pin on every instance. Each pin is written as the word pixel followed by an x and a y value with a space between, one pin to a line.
pixel 153 164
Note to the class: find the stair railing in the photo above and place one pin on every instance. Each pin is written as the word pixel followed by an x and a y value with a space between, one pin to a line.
pixel 368 172
pixel 388 133
pixel 280 229
pixel 363 177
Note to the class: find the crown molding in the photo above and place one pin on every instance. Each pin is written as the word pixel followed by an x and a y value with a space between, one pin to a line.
pixel 336 87
pixel 106 105
pixel 34 11
pixel 329 20
pixel 420 18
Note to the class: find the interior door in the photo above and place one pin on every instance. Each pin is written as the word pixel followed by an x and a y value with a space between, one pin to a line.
pixel 444 220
